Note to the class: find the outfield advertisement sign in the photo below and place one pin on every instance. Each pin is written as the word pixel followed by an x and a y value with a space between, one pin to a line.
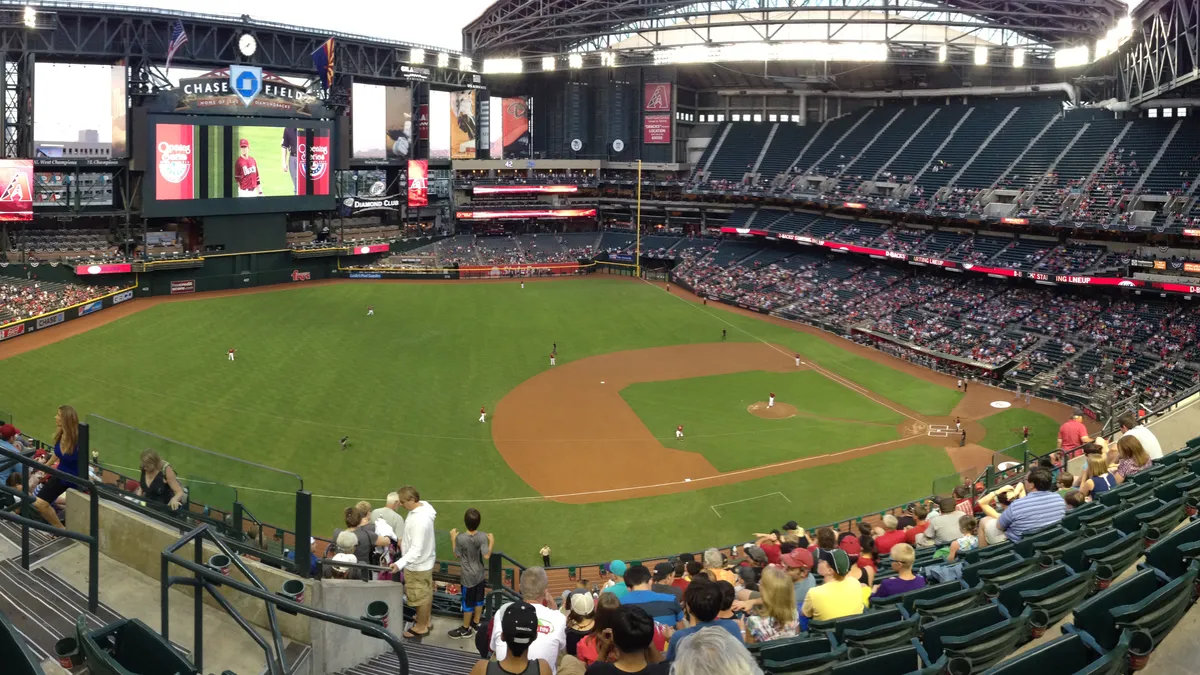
pixel 499 271
pixel 91 307
pixel 122 297
pixel 52 320
pixel 179 286
pixel 12 331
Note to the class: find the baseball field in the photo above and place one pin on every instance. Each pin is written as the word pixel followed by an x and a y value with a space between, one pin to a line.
pixel 582 456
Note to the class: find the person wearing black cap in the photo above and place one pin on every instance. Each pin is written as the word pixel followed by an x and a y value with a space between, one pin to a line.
pixel 518 630
pixel 664 581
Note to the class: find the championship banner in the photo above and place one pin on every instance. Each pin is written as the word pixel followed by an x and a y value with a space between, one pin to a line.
pixel 657 97
pixel 418 182
pixel 515 128
pixel 16 202
pixel 656 129
pixel 463 131
pixel 174 161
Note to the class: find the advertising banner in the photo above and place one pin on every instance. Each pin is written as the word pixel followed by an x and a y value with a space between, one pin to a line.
pixel 52 320
pixel 493 271
pixel 318 170
pixel 180 286
pixel 423 121
pixel 241 90
pixel 515 127
pixel 16 202
pixel 12 331
pixel 658 97
pixel 357 205
pixel 108 268
pixel 418 182
pixel 524 189
pixel 541 213
pixel 122 297
pixel 174 162
pixel 656 129
pixel 370 248
pixel 463 131
pixel 91 307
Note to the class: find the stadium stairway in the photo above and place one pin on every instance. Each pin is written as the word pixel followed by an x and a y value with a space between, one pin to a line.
pixel 422 660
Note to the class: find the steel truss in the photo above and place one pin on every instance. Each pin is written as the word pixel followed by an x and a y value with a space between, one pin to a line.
pixel 1164 52
pixel 533 27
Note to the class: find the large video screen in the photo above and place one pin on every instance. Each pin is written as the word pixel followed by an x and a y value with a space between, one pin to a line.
pixel 210 166
pixel 16 178
pixel 79 111
pixel 509 135
pixel 381 122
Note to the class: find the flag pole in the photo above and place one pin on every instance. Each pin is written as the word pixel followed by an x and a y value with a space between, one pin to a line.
pixel 637 261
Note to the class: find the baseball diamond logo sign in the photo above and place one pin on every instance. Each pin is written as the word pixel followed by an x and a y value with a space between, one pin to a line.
pixel 297 275
pixel 246 82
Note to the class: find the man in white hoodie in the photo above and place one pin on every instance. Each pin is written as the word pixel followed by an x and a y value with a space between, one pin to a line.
pixel 418 557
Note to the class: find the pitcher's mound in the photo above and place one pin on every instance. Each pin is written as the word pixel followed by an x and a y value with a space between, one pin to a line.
pixel 777 412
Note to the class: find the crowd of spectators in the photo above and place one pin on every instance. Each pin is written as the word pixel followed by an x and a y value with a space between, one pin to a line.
pixel 25 298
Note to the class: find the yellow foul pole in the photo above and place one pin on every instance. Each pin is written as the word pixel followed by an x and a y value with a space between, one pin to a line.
pixel 637 261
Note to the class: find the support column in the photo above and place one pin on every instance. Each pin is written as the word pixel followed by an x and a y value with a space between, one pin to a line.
pixel 18 105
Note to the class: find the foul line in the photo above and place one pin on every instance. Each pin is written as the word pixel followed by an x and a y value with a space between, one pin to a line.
pixel 836 378
pixel 747 499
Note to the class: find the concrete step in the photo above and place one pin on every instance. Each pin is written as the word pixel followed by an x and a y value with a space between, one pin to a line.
pixel 422 660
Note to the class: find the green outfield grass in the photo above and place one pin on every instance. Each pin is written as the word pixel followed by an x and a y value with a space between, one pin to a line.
pixel 406 386
pixel 830 417
pixel 1004 431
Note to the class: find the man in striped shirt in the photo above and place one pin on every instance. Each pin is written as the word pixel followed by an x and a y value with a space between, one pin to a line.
pixel 1040 507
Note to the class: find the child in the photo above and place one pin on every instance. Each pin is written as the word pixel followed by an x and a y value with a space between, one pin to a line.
pixel 968 526
pixel 1065 482
pixel 472 548
pixel 962 500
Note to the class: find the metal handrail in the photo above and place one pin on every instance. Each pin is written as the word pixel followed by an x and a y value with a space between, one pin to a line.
pixel 207 579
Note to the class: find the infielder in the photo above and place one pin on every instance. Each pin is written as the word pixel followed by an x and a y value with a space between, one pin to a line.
pixel 231 353
pixel 482 414
pixel 245 169
pixel 679 431
pixel 771 400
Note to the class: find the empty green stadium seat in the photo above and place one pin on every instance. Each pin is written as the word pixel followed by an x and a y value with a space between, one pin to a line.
pixel 1046 536
pixel 883 636
pixel 906 600
pixel 801 655
pixel 15 656
pixel 1013 570
pixel 1075 653
pixel 1185 485
pixel 971 572
pixel 1130 518
pixel 1127 493
pixel 987 552
pixel 1071 520
pixel 129 647
pixel 1117 556
pixel 1158 473
pixel 984 635
pixel 935 608
pixel 1181 456
pixel 1056 599
pixel 864 621
pixel 907 660
pixel 1072 555
pixel 1147 600
pixel 1169 554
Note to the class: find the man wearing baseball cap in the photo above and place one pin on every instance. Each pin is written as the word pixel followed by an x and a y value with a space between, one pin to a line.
pixel 840 595
pixel 245 171
pixel 518 630
pixel 616 583
pixel 1072 433
pixel 664 581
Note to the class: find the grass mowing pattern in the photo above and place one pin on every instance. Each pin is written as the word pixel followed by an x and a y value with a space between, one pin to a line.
pixel 713 409
pixel 1004 431
pixel 406 386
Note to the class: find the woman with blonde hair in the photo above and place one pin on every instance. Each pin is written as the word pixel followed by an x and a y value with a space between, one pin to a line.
pixel 1101 479
pixel 158 482
pixel 66 449
pixel 777 617
pixel 1132 458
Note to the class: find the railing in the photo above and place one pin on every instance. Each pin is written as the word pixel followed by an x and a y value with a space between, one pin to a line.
pixel 25 520
pixel 206 579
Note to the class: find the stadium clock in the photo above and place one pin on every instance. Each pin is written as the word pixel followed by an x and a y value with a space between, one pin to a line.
pixel 247 44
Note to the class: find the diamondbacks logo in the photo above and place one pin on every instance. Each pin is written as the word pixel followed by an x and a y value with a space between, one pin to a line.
pixel 17 189
pixel 658 96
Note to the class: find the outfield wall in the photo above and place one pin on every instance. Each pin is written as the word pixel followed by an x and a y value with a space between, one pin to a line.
pixel 51 319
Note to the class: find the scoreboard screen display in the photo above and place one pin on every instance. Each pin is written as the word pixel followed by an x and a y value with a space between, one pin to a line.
pixel 213 166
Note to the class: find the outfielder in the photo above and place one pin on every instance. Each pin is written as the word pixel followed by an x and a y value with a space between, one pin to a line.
pixel 482 414
pixel 231 353
pixel 371 310
pixel 552 358
pixel 679 431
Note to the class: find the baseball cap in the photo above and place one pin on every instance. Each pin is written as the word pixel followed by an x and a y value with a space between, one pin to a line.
pixel 756 554
pixel 841 562
pixel 617 568
pixel 8 432
pixel 245 143
pixel 583 604
pixel 800 557
pixel 851 546
pixel 662 570
pixel 791 525
pixel 519 625
pixel 1077 412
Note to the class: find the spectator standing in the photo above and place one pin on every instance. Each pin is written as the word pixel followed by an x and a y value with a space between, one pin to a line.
pixel 703 602
pixel 1040 507
pixel 551 641
pixel 632 639
pixel 840 595
pixel 417 560
pixel 1072 433
pixel 357 523
pixel 545 552
pixel 1101 480
pixel 664 581
pixel 1130 427
pixel 158 482
pixel 66 449
pixel 663 607
pixel 712 651
pixel 1131 458
pixel 904 581
pixel 472 548
pixel 388 513
pixel 518 633
pixel 777 616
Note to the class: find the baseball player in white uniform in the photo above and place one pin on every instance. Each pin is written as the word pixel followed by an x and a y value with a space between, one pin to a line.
pixel 482 414
pixel 771 401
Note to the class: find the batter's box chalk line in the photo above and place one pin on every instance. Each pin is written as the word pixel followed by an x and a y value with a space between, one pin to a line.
pixel 748 499
pixel 939 430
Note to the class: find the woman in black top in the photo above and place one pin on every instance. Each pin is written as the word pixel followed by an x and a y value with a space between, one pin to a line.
pixel 158 482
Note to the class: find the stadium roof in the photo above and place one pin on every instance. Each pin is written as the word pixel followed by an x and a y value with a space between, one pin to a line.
pixel 533 27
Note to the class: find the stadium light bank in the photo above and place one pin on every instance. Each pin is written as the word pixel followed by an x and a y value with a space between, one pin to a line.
pixel 762 51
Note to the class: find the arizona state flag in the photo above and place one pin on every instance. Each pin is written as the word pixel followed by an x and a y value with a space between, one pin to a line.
pixel 323 62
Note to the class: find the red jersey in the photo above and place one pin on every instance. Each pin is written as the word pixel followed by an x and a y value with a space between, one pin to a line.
pixel 481 410
pixel 232 351
pixel 246 171
pixel 679 428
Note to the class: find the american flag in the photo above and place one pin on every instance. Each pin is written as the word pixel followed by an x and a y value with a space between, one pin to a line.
pixel 178 39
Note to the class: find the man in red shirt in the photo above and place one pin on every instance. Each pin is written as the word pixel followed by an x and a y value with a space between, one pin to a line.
pixel 245 170
pixel 891 536
pixel 919 513
pixel 1072 433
